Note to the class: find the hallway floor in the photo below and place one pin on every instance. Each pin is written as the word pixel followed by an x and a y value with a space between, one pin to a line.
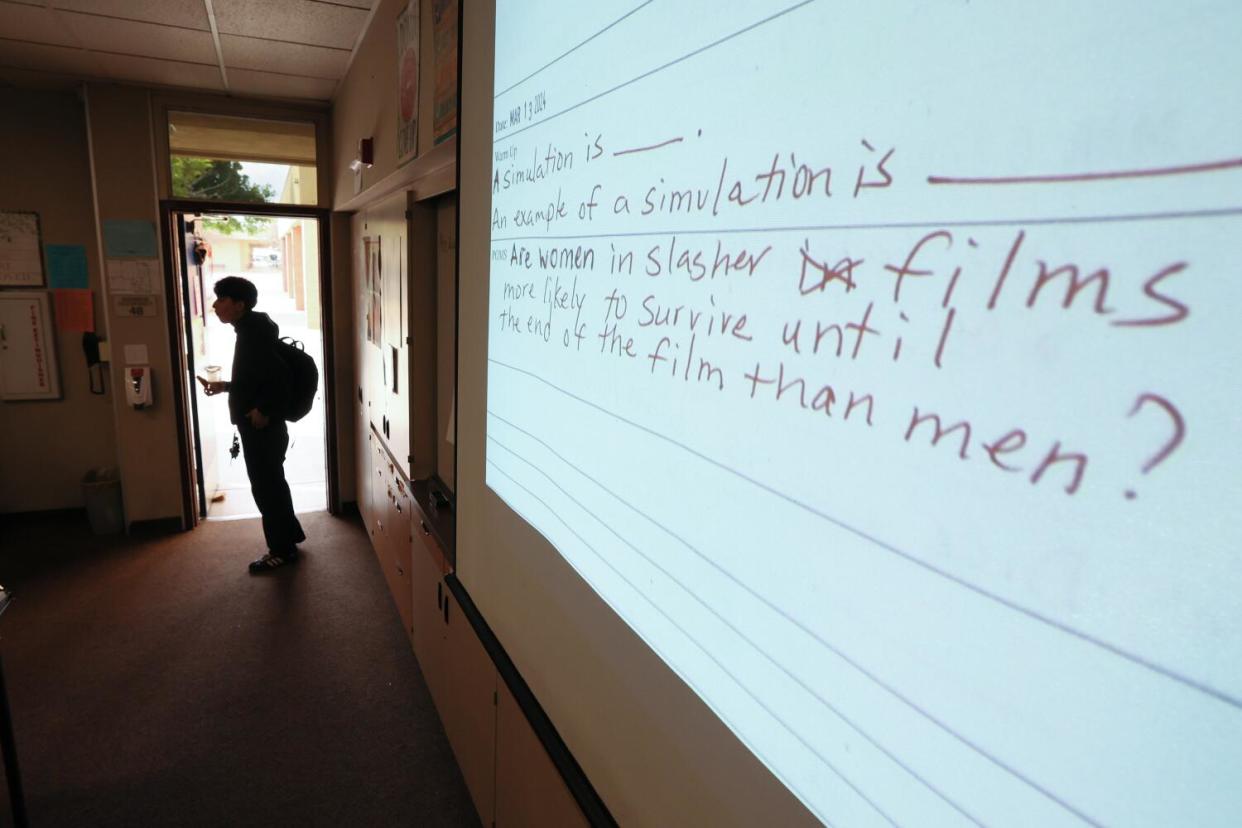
pixel 154 682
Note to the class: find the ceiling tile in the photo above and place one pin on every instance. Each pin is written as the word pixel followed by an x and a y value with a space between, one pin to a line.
pixel 19 22
pixel 160 72
pixel 191 14
pixel 107 34
pixel 51 59
pixel 247 82
pixel 285 58
pixel 297 21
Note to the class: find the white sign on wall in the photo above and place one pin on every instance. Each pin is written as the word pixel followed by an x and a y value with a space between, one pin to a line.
pixel 28 369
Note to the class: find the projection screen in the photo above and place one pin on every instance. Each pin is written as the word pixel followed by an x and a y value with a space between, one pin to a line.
pixel 849 409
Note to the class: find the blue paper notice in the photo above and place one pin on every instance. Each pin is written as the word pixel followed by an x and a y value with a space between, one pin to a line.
pixel 129 237
pixel 66 266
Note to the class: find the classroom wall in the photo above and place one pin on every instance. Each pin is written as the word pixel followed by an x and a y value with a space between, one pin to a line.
pixel 123 162
pixel 366 102
pixel 47 445
pixel 365 106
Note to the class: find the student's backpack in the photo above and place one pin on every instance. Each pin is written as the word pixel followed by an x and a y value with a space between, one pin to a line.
pixel 303 377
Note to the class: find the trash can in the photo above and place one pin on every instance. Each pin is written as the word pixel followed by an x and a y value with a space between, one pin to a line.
pixel 101 489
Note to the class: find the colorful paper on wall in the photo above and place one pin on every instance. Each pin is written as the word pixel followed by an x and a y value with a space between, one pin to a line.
pixel 407 82
pixel 129 237
pixel 75 309
pixel 444 118
pixel 66 266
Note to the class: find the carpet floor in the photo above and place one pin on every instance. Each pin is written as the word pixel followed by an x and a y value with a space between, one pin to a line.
pixel 153 681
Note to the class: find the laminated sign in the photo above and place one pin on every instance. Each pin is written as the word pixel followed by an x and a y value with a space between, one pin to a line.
pixel 407 82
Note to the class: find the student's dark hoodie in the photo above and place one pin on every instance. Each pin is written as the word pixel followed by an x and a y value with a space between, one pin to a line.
pixel 260 378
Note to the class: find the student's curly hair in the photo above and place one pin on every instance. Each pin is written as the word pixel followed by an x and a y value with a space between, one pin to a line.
pixel 239 290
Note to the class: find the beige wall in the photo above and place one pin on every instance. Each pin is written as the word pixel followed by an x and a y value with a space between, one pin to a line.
pixel 309 238
pixel 46 446
pixel 366 103
pixel 227 255
pixel 123 162
pixel 79 158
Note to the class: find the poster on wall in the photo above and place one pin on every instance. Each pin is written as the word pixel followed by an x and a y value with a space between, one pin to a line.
pixel 373 290
pixel 28 369
pixel 133 275
pixel 444 22
pixel 21 259
pixel 407 83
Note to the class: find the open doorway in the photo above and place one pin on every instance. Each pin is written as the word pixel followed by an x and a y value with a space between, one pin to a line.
pixel 282 256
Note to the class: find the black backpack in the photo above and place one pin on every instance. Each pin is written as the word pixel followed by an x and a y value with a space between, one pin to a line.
pixel 303 377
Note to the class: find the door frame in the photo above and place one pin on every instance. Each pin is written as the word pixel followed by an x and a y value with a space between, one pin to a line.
pixel 177 331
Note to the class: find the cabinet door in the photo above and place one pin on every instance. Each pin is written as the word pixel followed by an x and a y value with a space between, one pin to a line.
pixel 381 499
pixel 469 711
pixel 428 594
pixel 399 547
pixel 364 452
pixel 530 792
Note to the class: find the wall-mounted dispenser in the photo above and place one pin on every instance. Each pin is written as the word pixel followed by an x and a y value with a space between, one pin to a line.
pixel 138 385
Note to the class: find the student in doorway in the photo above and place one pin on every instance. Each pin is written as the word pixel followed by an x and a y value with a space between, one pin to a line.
pixel 258 398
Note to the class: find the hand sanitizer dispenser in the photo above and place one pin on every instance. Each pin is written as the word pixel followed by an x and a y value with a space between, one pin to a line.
pixel 138 385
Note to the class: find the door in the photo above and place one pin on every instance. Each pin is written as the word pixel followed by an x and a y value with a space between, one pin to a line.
pixel 284 255
pixel 188 279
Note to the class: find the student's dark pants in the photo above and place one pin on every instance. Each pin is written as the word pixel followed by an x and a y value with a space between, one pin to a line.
pixel 264 450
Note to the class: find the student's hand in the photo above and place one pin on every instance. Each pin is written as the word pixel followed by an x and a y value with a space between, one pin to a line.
pixel 257 418
pixel 213 388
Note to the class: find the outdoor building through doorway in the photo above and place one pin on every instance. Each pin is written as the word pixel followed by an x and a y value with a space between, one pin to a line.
pixel 281 256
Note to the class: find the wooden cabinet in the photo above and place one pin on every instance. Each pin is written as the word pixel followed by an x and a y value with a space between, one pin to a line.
pixel 379 494
pixel 364 473
pixel 469 711
pixel 399 548
pixel 458 670
pixel 391 533
pixel 428 594
pixel 530 793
